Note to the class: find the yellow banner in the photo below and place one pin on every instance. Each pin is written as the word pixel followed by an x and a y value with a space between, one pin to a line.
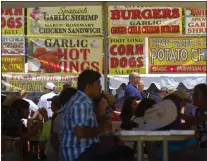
pixel 177 55
pixel 65 21
pixel 135 20
pixel 126 56
pixel 12 21
pixel 12 64
pixel 64 55
pixel 34 83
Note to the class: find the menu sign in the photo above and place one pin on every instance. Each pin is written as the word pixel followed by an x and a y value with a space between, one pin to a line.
pixel 12 21
pixel 67 55
pixel 66 20
pixel 12 63
pixel 12 45
pixel 177 55
pixel 195 22
pixel 126 56
pixel 135 20
pixel 16 82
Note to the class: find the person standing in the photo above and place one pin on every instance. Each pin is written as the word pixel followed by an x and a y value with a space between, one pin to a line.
pixel 131 89
pixel 79 126
pixel 32 106
pixel 43 103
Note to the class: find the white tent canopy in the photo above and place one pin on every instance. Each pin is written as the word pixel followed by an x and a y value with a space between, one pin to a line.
pixel 169 81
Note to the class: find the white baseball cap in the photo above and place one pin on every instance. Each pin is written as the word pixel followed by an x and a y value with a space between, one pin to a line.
pixel 50 86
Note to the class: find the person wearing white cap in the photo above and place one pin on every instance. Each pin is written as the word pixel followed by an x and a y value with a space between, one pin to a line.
pixel 43 103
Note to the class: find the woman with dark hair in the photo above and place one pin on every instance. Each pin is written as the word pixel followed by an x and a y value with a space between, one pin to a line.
pixel 143 106
pixel 128 110
pixel 200 100
pixel 14 130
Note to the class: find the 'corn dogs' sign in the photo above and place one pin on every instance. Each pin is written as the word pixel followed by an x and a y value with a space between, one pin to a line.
pixel 65 55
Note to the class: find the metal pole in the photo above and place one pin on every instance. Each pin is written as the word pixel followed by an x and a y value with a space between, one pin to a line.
pixel 105 35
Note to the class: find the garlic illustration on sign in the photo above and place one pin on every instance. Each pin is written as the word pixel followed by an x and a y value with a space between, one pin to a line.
pixel 95 44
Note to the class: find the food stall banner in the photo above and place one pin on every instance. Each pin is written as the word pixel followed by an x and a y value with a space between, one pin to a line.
pixel 34 82
pixel 12 45
pixel 12 21
pixel 195 22
pixel 64 55
pixel 12 64
pixel 65 21
pixel 177 55
pixel 145 21
pixel 126 56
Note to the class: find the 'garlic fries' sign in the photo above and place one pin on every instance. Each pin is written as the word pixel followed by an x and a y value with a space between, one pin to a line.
pixel 64 55
pixel 65 21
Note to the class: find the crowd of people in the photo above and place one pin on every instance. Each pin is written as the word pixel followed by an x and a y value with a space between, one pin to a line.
pixel 73 125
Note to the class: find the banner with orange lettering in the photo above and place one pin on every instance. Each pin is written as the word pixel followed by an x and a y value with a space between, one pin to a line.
pixel 12 21
pixel 177 55
pixel 195 22
pixel 126 56
pixel 64 55
pixel 135 20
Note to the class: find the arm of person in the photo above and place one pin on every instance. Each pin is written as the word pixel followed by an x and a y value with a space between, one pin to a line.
pixel 189 120
pixel 31 132
pixel 55 134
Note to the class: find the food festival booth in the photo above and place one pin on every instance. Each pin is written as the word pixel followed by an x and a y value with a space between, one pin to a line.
pixel 163 41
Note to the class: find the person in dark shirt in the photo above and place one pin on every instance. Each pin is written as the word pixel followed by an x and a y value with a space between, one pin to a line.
pixel 131 88
pixel 128 110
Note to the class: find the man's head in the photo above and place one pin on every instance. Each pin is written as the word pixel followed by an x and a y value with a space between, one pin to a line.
pixel 49 87
pixel 23 94
pixel 134 78
pixel 141 86
pixel 89 83
pixel 164 91
pixel 67 85
pixel 55 103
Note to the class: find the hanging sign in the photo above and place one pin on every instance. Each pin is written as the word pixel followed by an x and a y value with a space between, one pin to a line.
pixel 34 82
pixel 135 20
pixel 195 22
pixel 64 55
pixel 12 21
pixel 12 45
pixel 12 64
pixel 126 56
pixel 65 21
pixel 177 55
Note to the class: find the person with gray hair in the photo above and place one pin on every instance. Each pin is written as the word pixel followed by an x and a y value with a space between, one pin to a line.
pixel 131 88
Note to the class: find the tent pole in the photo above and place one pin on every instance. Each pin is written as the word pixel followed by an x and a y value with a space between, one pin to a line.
pixel 105 33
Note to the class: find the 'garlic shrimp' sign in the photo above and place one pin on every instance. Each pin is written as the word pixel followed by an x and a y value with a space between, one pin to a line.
pixel 177 55
pixel 65 55
pixel 135 20
pixel 195 21
pixel 65 21
pixel 126 56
